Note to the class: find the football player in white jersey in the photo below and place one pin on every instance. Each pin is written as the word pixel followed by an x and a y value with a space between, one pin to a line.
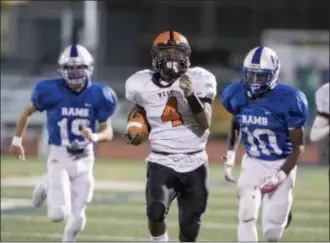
pixel 177 100
pixel 320 128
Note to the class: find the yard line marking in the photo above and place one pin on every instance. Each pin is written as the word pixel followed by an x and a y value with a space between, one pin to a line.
pixel 80 237
pixel 220 202
pixel 104 185
pixel 171 223
pixel 121 185
pixel 216 212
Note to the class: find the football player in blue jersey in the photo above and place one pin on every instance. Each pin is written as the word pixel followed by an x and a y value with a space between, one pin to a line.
pixel 269 117
pixel 74 106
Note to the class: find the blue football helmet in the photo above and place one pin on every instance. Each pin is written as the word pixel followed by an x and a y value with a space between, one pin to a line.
pixel 261 70
pixel 76 65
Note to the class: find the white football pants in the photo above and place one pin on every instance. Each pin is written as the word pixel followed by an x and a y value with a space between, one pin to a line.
pixel 70 186
pixel 275 206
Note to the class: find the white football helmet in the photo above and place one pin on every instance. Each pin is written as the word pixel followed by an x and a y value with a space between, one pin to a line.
pixel 261 70
pixel 76 65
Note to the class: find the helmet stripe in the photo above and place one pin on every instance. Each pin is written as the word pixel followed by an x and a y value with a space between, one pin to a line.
pixel 171 36
pixel 74 51
pixel 257 55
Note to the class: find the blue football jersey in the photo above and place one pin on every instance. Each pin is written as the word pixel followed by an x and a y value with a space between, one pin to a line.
pixel 265 122
pixel 67 111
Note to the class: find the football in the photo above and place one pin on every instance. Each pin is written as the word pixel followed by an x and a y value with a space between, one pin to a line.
pixel 138 124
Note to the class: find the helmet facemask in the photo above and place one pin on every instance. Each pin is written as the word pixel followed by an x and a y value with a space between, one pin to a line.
pixel 258 81
pixel 170 61
pixel 76 76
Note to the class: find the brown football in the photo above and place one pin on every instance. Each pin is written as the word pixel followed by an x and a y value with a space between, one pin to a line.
pixel 137 123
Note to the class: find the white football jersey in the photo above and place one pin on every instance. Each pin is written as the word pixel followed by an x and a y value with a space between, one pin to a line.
pixel 322 99
pixel 173 126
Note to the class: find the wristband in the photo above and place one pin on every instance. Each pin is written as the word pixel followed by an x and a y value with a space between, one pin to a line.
pixel 95 137
pixel 230 156
pixel 17 141
pixel 195 104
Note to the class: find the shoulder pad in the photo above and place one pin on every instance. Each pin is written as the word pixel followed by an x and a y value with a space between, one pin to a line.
pixel 204 82
pixel 228 96
pixel 135 83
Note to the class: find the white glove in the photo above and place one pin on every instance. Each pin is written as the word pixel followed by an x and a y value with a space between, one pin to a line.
pixel 270 183
pixel 229 162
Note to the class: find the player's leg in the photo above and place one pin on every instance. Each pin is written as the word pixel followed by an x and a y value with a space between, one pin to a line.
pixel 160 192
pixel 39 193
pixel 192 202
pixel 249 198
pixel 82 188
pixel 276 209
pixel 58 191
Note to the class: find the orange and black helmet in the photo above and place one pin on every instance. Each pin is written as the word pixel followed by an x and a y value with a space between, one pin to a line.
pixel 170 55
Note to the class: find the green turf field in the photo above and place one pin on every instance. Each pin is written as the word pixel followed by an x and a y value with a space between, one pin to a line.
pixel 118 212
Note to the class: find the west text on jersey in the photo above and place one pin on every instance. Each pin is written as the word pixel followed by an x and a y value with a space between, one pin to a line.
pixel 73 111
pixel 166 93
pixel 255 120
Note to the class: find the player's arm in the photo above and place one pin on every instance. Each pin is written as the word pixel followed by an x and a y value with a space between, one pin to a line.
pixel 296 120
pixel 234 138
pixel 202 112
pixel 297 137
pixel 234 135
pixel 105 132
pixel 136 139
pixel 132 87
pixel 297 116
pixel 37 104
pixel 106 107
pixel 200 106
pixel 320 128
pixel 22 123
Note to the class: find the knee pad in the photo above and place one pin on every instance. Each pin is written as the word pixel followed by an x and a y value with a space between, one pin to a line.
pixel 156 212
pixel 76 224
pixel 189 228
pixel 276 217
pixel 273 235
pixel 57 214
pixel 249 204
pixel 274 225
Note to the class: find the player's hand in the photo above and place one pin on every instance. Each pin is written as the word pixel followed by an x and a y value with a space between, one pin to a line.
pixel 270 183
pixel 17 148
pixel 134 140
pixel 229 162
pixel 186 85
pixel 88 133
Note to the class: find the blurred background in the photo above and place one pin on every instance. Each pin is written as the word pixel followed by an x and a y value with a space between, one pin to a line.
pixel 119 34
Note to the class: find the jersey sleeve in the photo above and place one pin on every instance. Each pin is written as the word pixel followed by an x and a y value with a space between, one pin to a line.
pixel 322 100
pixel 298 110
pixel 38 96
pixel 209 89
pixel 131 93
pixel 107 104
pixel 226 98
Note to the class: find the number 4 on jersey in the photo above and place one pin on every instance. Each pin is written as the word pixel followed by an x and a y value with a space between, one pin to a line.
pixel 171 112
